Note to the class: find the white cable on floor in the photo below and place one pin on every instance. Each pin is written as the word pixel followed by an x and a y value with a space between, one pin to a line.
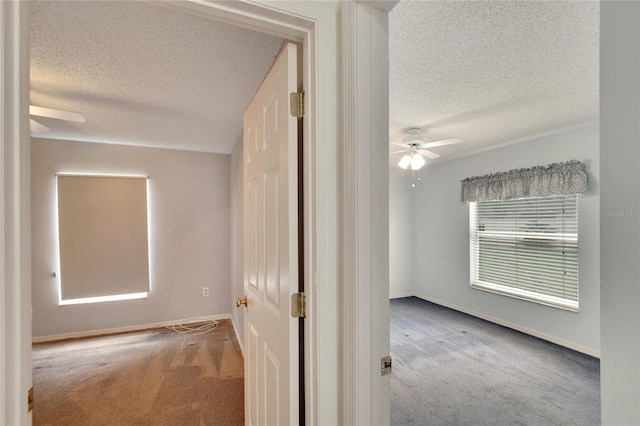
pixel 196 328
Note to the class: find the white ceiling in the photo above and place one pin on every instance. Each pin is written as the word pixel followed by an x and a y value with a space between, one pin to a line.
pixel 490 72
pixel 145 75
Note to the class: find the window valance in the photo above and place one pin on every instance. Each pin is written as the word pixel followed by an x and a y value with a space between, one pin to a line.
pixel 540 181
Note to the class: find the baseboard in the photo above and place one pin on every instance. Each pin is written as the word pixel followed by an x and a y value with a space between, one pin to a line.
pixel 535 333
pixel 240 342
pixel 115 330
pixel 400 295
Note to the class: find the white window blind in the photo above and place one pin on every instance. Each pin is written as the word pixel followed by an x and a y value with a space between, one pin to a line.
pixel 527 248
pixel 103 238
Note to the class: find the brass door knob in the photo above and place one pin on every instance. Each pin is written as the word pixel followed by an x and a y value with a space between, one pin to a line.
pixel 240 301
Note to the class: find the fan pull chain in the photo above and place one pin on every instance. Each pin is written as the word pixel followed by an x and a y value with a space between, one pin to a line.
pixel 414 179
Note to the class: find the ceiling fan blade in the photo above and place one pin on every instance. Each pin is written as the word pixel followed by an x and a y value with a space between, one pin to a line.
pixel 399 144
pixel 37 127
pixel 56 113
pixel 398 152
pixel 429 154
pixel 442 142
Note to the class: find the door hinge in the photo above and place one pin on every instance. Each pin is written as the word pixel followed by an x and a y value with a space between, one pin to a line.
pixel 296 102
pixel 30 400
pixel 385 365
pixel 298 305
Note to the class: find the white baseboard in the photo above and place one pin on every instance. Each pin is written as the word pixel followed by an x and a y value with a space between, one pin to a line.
pixel 400 295
pixel 553 339
pixel 137 327
pixel 240 342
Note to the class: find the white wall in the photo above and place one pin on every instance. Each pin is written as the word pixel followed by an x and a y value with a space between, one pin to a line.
pixel 189 234
pixel 400 232
pixel 620 235
pixel 237 242
pixel 441 239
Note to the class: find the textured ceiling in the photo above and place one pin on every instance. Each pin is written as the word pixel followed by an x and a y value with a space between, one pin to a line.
pixel 492 72
pixel 489 72
pixel 145 75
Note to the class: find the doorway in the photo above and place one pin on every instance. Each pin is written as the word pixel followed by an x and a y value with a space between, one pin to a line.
pixel 159 225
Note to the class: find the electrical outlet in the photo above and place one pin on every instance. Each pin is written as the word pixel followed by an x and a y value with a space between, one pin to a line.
pixel 205 291
pixel 451 283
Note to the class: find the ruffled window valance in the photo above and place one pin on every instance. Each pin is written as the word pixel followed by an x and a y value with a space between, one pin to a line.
pixel 539 181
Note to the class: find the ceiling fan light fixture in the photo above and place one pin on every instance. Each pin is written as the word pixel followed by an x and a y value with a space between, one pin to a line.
pixel 405 161
pixel 417 161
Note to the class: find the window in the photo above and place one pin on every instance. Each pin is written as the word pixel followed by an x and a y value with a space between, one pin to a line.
pixel 103 238
pixel 527 248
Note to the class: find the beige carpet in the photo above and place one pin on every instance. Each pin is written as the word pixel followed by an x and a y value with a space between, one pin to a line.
pixel 153 377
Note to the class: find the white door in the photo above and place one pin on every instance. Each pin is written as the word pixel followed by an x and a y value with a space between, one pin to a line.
pixel 271 249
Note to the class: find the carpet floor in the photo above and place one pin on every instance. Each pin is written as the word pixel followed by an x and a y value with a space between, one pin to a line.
pixel 153 377
pixel 450 368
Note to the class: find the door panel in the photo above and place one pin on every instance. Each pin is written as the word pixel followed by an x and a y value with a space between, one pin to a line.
pixel 251 374
pixel 272 372
pixel 272 258
pixel 251 226
pixel 271 248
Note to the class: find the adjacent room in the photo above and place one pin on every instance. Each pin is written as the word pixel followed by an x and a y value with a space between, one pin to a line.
pixel 137 149
pixel 494 213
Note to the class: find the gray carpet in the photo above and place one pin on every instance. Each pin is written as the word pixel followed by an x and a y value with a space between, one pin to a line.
pixel 450 368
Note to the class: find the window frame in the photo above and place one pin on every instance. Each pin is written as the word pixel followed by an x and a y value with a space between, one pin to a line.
pixel 513 291
pixel 132 222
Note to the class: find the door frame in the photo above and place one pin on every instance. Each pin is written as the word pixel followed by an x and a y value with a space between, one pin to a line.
pixel 15 220
pixel 345 141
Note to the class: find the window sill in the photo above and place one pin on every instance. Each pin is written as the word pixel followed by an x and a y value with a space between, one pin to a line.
pixel 130 296
pixel 554 302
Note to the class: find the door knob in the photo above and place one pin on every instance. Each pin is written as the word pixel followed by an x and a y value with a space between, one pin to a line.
pixel 240 301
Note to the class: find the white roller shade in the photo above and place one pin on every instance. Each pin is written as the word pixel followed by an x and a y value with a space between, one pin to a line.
pixel 527 248
pixel 102 235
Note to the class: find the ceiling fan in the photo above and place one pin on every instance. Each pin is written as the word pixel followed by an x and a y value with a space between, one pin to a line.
pixel 416 147
pixel 58 114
